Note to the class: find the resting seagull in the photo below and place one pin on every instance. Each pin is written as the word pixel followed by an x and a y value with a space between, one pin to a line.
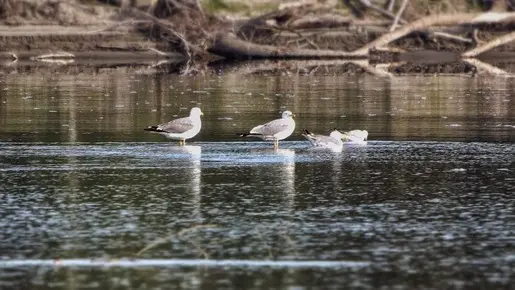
pixel 356 136
pixel 275 130
pixel 180 129
pixel 333 141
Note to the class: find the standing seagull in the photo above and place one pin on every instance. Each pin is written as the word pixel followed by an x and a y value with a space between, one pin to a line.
pixel 180 129
pixel 275 130
pixel 333 141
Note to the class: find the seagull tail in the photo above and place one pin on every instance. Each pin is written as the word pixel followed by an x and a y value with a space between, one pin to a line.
pixel 248 134
pixel 307 133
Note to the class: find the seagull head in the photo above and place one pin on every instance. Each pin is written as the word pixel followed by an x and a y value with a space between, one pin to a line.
pixel 287 114
pixel 365 134
pixel 196 112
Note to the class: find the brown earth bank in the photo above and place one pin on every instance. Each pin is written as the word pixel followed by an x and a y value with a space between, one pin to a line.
pixel 323 36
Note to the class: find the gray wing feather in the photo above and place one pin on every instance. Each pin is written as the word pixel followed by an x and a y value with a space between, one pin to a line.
pixel 178 126
pixel 321 140
pixel 271 128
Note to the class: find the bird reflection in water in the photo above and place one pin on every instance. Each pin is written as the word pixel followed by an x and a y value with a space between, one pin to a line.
pixel 192 171
pixel 288 173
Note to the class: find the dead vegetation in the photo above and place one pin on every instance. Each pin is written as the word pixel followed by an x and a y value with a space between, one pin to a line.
pixel 48 12
pixel 374 31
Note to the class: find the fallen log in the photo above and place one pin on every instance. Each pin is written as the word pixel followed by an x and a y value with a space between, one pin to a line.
pixel 229 46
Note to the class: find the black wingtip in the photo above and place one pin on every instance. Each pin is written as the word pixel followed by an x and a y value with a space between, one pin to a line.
pixel 153 129
pixel 248 134
pixel 307 132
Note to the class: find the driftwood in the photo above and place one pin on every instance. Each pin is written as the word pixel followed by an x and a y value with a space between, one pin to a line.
pixel 231 47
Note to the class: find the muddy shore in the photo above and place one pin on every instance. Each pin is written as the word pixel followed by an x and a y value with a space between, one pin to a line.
pixel 101 42
pixel 93 48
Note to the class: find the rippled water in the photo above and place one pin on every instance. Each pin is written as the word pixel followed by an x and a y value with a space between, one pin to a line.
pixel 90 200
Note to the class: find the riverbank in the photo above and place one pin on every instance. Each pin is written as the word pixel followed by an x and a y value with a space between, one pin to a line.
pixel 191 41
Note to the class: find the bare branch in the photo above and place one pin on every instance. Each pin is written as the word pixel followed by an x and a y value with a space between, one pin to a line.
pixel 391 4
pixel 490 45
pixel 398 15
pixel 452 37
pixel 380 10
pixel 488 68
pixel 414 26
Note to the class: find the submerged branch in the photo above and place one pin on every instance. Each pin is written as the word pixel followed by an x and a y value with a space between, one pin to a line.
pixel 178 234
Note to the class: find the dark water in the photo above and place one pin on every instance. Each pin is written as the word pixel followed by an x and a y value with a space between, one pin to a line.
pixel 90 200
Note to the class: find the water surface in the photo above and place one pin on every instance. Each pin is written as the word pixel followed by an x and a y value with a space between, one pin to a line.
pixel 428 202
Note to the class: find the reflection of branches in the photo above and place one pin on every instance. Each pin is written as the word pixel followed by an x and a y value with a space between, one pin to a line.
pixel 282 234
pixel 251 67
pixel 178 235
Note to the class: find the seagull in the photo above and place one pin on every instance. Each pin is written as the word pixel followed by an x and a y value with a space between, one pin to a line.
pixel 356 136
pixel 333 141
pixel 180 129
pixel 275 130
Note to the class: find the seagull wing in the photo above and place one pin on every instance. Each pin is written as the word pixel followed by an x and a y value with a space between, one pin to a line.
pixel 271 128
pixel 177 126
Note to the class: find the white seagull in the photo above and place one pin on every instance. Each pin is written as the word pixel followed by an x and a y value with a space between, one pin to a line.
pixel 180 129
pixel 356 136
pixel 333 141
pixel 275 130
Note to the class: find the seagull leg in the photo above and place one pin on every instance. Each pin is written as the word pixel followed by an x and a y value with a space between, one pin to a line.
pixel 181 142
pixel 276 144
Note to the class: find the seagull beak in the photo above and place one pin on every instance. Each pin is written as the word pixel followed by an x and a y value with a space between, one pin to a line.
pixel 202 113
pixel 293 115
